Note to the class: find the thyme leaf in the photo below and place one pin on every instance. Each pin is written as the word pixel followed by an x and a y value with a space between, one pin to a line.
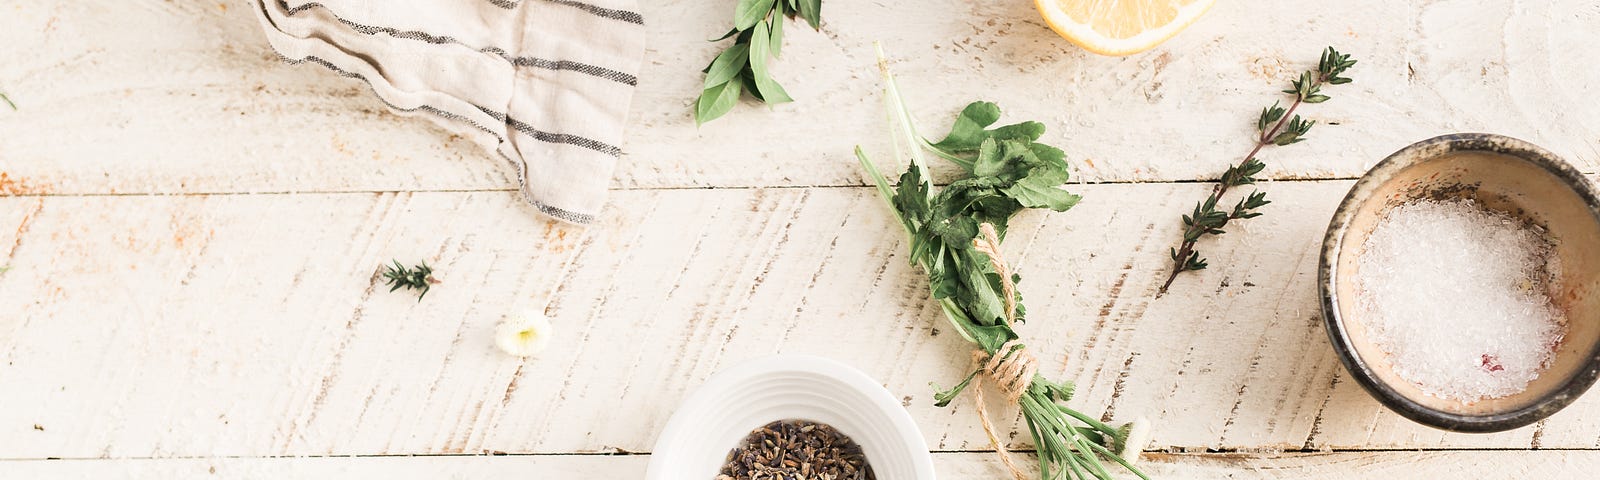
pixel 1275 126
pixel 419 278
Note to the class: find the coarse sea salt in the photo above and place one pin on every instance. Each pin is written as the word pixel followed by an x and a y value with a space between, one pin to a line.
pixel 1456 295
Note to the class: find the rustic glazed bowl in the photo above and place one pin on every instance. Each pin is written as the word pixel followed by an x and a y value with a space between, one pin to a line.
pixel 718 416
pixel 1504 174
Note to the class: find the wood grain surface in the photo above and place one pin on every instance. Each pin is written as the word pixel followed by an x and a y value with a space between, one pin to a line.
pixel 951 466
pixel 193 230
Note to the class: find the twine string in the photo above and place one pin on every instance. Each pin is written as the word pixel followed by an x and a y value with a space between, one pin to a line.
pixel 1011 367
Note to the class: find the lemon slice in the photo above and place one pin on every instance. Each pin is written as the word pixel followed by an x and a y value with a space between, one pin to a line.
pixel 1120 27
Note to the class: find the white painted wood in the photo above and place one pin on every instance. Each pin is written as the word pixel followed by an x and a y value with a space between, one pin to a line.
pixel 951 466
pixel 158 96
pixel 250 325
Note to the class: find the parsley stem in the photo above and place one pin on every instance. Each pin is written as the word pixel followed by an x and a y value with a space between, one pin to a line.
pixel 944 228
pixel 1118 458
pixel 1091 421
pixel 964 163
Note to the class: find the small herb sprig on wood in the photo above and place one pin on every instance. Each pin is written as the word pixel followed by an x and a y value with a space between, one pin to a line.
pixel 1275 126
pixel 758 38
pixel 955 235
pixel 416 278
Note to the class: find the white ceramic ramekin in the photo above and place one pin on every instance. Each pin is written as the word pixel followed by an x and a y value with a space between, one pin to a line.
pixel 714 419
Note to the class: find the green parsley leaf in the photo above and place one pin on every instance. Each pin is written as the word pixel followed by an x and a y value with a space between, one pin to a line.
pixel 1040 191
pixel 968 132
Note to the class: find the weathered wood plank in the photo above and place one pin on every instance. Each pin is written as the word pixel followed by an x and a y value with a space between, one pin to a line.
pixel 251 325
pixel 950 466
pixel 104 106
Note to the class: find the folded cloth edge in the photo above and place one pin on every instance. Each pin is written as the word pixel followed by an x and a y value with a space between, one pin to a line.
pixel 296 50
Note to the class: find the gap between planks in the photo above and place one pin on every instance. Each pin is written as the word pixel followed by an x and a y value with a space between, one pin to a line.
pixel 1149 454
pixel 959 466
pixel 615 189
pixel 1592 177
pixel 756 269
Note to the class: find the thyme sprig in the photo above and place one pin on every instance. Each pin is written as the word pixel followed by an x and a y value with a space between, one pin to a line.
pixel 415 278
pixel 1275 126
pixel 1008 171
pixel 758 38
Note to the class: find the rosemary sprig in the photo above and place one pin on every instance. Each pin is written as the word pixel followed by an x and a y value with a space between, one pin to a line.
pixel 416 278
pixel 8 101
pixel 758 35
pixel 1275 126
pixel 953 233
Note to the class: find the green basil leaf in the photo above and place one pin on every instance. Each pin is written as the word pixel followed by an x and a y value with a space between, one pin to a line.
pixel 771 92
pixel 716 101
pixel 726 65
pixel 760 47
pixel 749 81
pixel 777 35
pixel 726 36
pixel 749 12
pixel 811 10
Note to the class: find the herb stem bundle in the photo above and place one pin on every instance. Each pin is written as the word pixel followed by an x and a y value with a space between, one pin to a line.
pixel 954 235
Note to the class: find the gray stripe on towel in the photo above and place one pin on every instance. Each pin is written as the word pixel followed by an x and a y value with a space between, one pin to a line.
pixel 623 15
pixel 614 14
pixel 558 65
pixel 564 214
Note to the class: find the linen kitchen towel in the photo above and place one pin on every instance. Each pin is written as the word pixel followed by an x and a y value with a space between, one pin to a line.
pixel 545 83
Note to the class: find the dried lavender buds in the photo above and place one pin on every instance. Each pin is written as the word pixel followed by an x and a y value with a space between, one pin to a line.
pixel 796 450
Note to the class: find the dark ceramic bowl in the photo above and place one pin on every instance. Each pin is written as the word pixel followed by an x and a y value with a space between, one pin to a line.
pixel 1504 174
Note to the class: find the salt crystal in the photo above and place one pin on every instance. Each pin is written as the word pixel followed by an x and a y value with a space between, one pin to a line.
pixel 1457 296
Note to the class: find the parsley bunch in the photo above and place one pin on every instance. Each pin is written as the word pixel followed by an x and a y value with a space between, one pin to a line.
pixel 758 38
pixel 1008 170
pixel 1275 126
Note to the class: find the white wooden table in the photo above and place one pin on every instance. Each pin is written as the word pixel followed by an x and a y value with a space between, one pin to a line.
pixel 193 228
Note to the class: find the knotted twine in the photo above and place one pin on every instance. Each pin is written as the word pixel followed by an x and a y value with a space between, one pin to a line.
pixel 1011 367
